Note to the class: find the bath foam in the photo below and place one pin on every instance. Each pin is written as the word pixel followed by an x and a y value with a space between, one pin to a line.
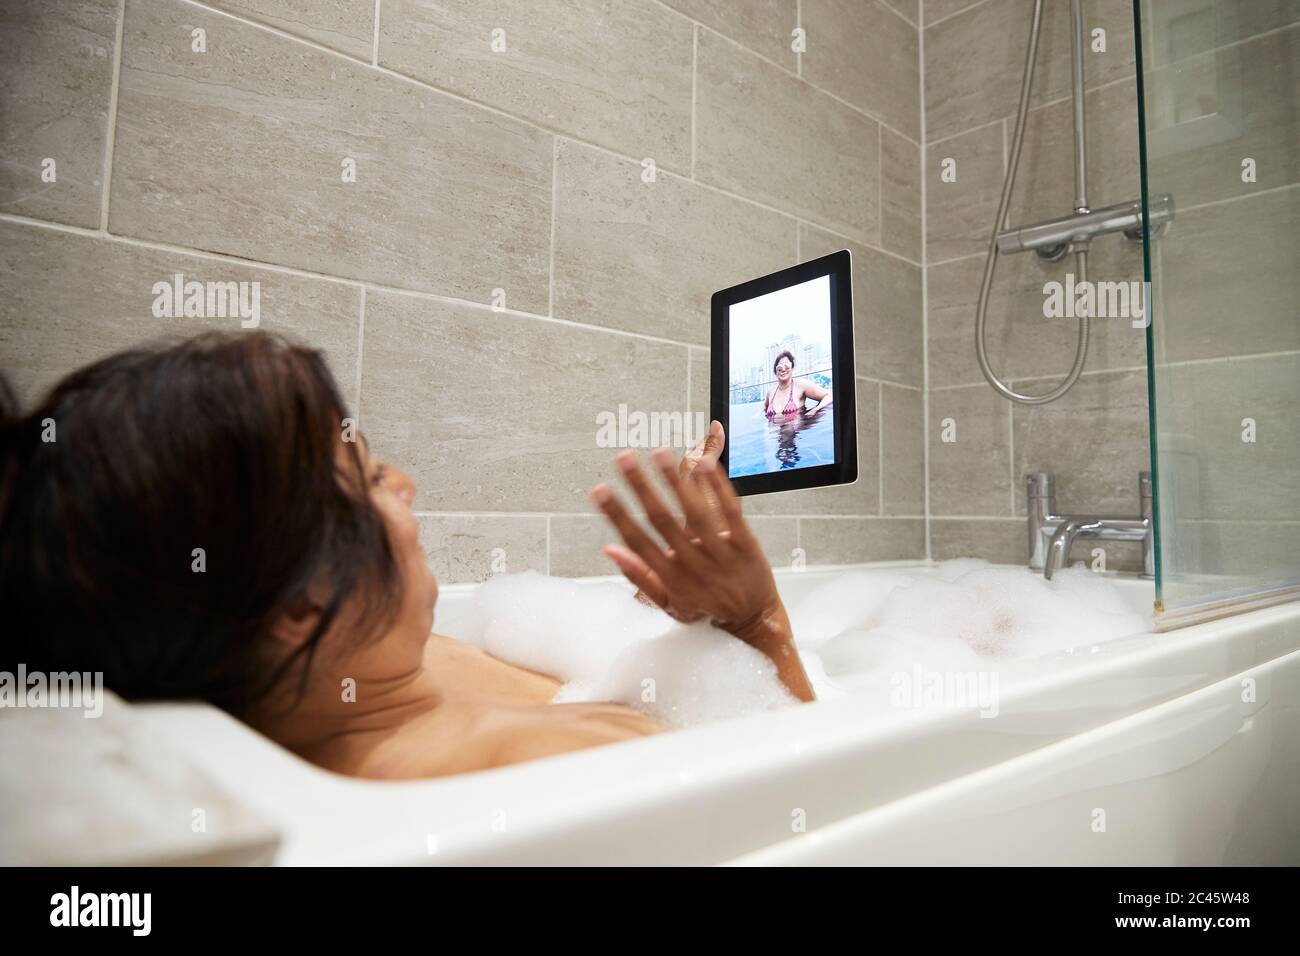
pixel 848 602
pixel 692 674
pixel 962 615
pixel 608 646
pixel 855 634
pixel 570 630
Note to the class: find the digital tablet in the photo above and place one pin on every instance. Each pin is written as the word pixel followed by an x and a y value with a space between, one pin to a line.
pixel 782 378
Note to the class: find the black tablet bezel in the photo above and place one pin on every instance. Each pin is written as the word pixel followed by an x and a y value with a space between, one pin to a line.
pixel 837 265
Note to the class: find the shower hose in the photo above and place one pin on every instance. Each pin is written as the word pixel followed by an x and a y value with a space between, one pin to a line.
pixel 990 264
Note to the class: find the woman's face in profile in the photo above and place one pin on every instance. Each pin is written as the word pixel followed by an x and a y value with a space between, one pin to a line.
pixel 393 492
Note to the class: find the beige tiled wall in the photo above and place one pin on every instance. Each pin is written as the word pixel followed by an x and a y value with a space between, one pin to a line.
pixel 58 63
pixel 531 238
pixel 535 229
pixel 1095 438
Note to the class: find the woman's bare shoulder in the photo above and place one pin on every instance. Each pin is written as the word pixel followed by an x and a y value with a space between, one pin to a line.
pixel 464 671
pixel 461 736
pixel 560 728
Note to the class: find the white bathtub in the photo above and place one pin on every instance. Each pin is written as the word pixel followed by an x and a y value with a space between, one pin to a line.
pixel 1142 750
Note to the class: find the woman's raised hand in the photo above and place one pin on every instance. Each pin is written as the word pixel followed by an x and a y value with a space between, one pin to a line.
pixel 719 574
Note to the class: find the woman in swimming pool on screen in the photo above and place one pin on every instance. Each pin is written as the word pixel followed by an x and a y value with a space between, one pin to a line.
pixel 786 401
pixel 313 577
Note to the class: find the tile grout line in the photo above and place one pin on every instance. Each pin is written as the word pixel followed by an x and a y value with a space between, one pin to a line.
pixel 832 516
pixel 1242 41
pixel 111 133
pixel 688 406
pixel 254 264
pixel 361 352
pixel 596 515
pixel 552 131
pixel 1264 522
pixel 839 235
pixel 888 384
pixel 555 179
pixel 970 129
pixel 1005 157
pixel 860 111
pixel 519 314
pixel 954 14
pixel 795 73
pixel 885 381
pixel 853 107
pixel 880 185
pixel 1209 204
pixel 374 49
pixel 695 73
pixel 1011 455
pixel 1126 78
pixel 1018 519
pixel 1091 373
pixel 1011 412
pixel 897 13
pixel 206 6
pixel 944 262
pixel 1220 359
pixel 268 28
pixel 880 449
pixel 925 286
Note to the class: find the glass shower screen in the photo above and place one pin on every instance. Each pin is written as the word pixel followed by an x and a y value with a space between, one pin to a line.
pixel 1219 104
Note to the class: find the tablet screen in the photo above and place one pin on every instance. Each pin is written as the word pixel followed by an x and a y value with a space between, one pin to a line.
pixel 782 388
pixel 782 377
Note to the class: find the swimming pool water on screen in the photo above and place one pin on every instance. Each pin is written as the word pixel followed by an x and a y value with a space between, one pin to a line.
pixel 757 446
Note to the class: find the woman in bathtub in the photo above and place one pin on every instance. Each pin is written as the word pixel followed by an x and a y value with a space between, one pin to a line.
pixel 190 521
pixel 788 397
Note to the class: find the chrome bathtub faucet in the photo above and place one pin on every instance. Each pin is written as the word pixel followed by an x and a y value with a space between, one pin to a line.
pixel 1051 535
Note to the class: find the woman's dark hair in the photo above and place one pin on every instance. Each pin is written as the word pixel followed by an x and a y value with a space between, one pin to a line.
pixel 777 361
pixel 229 443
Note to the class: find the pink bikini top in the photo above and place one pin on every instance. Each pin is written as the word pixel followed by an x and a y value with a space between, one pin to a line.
pixel 791 409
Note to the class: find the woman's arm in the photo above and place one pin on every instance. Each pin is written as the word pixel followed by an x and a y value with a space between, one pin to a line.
pixel 722 576
pixel 822 396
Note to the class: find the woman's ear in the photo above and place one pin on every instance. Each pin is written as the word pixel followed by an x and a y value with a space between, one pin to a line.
pixel 296 623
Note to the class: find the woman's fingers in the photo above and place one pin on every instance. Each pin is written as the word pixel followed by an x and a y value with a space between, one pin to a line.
pixel 714 440
pixel 654 568
pixel 656 511
pixel 693 505
pixel 710 446
pixel 728 504
pixel 640 543
pixel 687 464
pixel 637 572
